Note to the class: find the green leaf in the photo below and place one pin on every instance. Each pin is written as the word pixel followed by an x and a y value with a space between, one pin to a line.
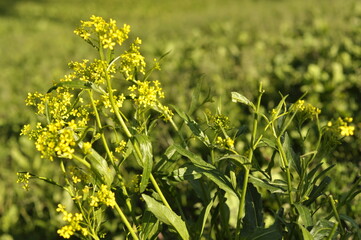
pixel 237 97
pixel 202 219
pixel 150 226
pixel 76 84
pixel 306 235
pixel 253 210
pixel 322 229
pixel 145 147
pixel 188 172
pixel 167 216
pixel 238 160
pixel 270 186
pixel 207 169
pixel 318 190
pixel 100 166
pixel 304 213
pixel 193 126
pixel 291 155
pixel 273 232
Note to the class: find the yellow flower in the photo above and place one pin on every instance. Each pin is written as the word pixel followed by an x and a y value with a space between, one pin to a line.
pixel 347 130
pixel 105 196
pixel 24 179
pixel 73 223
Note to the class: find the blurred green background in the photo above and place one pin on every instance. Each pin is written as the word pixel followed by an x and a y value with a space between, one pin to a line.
pixel 291 46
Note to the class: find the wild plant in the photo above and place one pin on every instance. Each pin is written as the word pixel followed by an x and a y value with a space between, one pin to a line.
pixel 212 180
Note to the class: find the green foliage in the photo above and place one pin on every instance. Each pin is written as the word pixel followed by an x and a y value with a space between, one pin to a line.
pixel 304 49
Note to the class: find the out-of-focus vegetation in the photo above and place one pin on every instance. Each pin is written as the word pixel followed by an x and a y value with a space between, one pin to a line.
pixel 293 47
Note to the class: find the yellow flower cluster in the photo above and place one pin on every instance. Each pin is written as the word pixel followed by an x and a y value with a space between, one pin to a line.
pixel 95 71
pixel 55 140
pixel 73 223
pixel 122 147
pixel 132 60
pixel 147 94
pixel 226 143
pixel 118 100
pixel 107 34
pixel 308 109
pixel 342 126
pixel 218 121
pixel 24 179
pixel 105 196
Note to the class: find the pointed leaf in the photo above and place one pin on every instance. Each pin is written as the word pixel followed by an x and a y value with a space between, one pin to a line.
pixel 145 147
pixel 318 190
pixel 291 155
pixel 207 169
pixel 306 235
pixel 193 126
pixel 253 210
pixel 202 219
pixel 304 213
pixel 188 172
pixel 322 229
pixel 270 186
pixel 167 216
pixel 237 97
pixel 150 226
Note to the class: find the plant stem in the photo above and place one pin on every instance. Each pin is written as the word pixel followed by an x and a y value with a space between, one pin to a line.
pixel 285 165
pixel 130 135
pixel 159 191
pixel 131 230
pixel 241 210
pixel 337 216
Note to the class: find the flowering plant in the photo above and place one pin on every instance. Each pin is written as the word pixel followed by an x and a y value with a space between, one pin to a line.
pixel 96 133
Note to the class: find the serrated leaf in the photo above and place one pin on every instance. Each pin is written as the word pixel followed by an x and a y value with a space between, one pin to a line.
pixel 145 147
pixel 167 216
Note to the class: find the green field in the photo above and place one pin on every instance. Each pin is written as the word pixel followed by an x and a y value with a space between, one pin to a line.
pixel 217 46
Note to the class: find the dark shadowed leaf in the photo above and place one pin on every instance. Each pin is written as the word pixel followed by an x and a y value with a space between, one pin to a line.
pixel 253 218
pixel 207 169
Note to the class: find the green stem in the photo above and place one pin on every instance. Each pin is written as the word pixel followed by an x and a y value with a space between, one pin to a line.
pixel 131 230
pixel 99 124
pixel 82 161
pixel 285 165
pixel 159 191
pixel 129 135
pixel 333 231
pixel 241 210
pixel 335 212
